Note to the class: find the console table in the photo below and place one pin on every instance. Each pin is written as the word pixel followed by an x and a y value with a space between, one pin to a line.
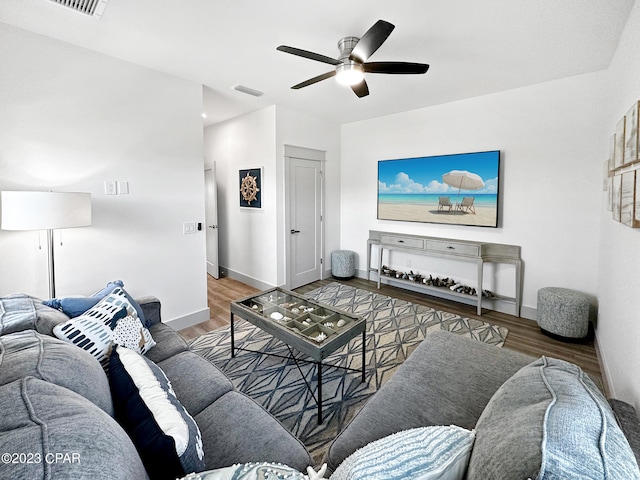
pixel 462 250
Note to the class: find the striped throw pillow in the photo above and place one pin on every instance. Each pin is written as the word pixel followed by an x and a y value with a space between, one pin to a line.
pixel 425 453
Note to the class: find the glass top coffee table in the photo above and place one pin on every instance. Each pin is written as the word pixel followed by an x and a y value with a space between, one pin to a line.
pixel 312 328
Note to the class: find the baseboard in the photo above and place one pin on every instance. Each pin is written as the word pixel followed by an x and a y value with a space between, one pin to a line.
pixel 252 282
pixel 190 319
pixel 604 371
pixel 496 305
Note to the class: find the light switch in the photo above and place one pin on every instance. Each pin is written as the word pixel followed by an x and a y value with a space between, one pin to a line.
pixel 188 228
pixel 110 187
pixel 123 188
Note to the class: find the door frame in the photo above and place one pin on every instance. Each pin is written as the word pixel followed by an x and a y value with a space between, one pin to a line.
pixel 292 151
pixel 210 176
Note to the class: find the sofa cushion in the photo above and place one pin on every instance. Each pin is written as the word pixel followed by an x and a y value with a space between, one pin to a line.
pixel 52 432
pixel 169 343
pixel 30 354
pixel 204 384
pixel 549 421
pixel 426 453
pixel 257 436
pixel 448 379
pixel 166 436
pixel 22 312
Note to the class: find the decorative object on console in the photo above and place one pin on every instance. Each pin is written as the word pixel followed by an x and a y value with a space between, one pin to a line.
pixel 45 211
pixel 431 281
pixel 251 188
pixel 420 189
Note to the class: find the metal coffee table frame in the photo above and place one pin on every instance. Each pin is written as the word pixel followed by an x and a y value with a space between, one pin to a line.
pixel 295 308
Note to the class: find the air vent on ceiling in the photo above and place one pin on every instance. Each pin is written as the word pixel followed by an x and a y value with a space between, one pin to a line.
pixel 95 8
pixel 250 91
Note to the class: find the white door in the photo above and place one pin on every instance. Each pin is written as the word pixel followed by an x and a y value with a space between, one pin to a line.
pixel 304 204
pixel 211 213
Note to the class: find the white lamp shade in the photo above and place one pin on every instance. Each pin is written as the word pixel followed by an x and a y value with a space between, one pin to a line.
pixel 44 210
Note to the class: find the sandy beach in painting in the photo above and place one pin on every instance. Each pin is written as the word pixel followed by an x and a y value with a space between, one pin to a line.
pixel 485 216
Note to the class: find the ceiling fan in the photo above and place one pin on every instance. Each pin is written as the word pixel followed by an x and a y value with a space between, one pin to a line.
pixel 352 64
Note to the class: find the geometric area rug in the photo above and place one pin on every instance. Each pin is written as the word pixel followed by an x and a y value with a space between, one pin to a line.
pixel 394 329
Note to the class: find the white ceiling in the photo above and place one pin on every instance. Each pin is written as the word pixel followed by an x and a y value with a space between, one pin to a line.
pixel 474 47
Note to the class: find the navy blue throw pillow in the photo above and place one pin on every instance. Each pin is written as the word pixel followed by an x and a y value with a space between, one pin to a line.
pixel 166 436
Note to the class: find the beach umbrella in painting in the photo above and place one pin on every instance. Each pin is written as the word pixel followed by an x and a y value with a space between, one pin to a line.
pixel 463 180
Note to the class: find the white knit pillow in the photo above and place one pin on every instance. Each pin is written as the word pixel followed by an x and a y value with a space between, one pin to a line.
pixel 425 453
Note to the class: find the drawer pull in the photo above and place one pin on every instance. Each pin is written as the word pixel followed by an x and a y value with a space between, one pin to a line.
pixel 400 241
pixel 451 248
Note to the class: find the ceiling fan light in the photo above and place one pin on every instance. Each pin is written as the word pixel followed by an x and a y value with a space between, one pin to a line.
pixel 349 73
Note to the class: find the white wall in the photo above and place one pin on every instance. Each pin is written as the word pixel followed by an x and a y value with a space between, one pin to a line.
pixel 252 241
pixel 247 236
pixel 551 155
pixel 303 130
pixel 71 119
pixel 619 272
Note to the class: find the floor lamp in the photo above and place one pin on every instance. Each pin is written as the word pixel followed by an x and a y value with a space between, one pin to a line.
pixel 45 211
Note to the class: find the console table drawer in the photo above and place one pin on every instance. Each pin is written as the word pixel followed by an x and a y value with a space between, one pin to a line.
pixel 405 242
pixel 454 248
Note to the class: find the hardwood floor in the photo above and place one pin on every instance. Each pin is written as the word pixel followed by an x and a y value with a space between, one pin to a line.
pixel 524 335
pixel 220 294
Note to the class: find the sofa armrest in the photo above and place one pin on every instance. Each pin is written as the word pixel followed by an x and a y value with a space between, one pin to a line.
pixel 629 422
pixel 151 308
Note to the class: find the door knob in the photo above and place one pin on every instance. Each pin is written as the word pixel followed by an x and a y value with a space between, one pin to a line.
pixel 295 231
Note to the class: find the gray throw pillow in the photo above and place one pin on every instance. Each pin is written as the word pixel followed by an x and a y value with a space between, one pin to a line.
pixel 53 433
pixel 549 422
pixel 29 353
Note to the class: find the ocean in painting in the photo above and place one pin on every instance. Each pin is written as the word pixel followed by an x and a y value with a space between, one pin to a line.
pixel 424 199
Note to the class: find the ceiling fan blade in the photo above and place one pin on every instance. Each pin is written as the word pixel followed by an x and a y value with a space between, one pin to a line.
pixel 313 80
pixel 371 40
pixel 310 55
pixel 360 89
pixel 395 67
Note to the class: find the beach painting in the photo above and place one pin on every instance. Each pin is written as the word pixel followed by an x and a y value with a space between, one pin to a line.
pixel 459 189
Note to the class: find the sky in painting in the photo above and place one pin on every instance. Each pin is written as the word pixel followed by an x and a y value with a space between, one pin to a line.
pixel 424 175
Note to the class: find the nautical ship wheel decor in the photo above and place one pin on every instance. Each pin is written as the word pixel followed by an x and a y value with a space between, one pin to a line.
pixel 251 188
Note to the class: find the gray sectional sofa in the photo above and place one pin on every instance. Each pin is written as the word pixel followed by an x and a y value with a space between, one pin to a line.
pixel 57 410
pixel 504 396
pixel 57 413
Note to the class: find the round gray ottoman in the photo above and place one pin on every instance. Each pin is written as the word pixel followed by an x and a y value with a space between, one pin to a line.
pixel 343 263
pixel 563 312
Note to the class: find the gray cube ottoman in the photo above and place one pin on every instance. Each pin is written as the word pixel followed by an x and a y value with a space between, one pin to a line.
pixel 343 263
pixel 563 312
